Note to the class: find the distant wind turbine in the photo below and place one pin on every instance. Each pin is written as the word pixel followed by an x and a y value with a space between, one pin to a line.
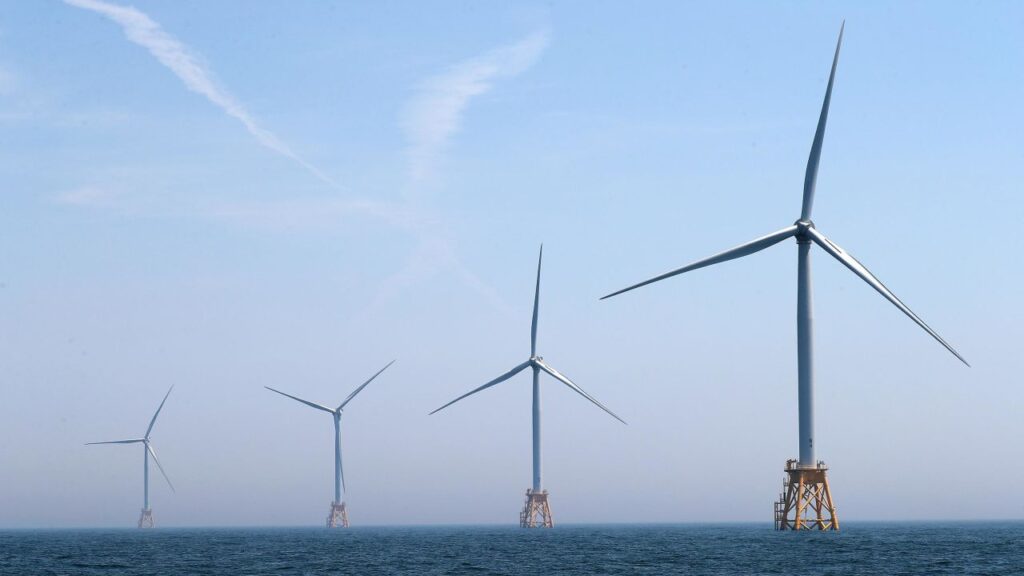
pixel 807 471
pixel 146 517
pixel 536 512
pixel 338 516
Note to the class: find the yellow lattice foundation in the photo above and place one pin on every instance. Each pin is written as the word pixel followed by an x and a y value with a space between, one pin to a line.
pixel 806 501
pixel 338 518
pixel 146 518
pixel 536 513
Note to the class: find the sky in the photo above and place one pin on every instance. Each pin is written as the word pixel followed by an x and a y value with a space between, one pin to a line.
pixel 226 196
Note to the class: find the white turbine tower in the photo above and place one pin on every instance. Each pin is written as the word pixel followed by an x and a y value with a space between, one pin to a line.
pixel 806 491
pixel 338 516
pixel 146 517
pixel 536 513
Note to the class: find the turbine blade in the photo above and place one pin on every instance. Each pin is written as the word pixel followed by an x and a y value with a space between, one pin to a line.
pixel 860 270
pixel 344 489
pixel 564 380
pixel 153 454
pixel 306 402
pixel 161 407
pixel 730 254
pixel 135 441
pixel 536 302
pixel 497 380
pixel 811 177
pixel 357 390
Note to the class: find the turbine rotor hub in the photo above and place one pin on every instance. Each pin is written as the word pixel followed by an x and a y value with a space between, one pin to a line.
pixel 802 226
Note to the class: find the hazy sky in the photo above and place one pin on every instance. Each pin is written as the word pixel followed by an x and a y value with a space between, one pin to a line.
pixel 225 196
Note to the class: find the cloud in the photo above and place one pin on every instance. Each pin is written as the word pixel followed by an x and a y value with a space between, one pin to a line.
pixel 305 214
pixel 8 82
pixel 429 120
pixel 435 113
pixel 86 196
pixel 189 68
pixel 433 254
pixel 434 251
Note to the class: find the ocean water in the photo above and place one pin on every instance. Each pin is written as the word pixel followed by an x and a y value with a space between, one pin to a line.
pixel 988 548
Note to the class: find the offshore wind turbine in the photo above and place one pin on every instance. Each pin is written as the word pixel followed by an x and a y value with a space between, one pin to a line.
pixel 806 492
pixel 536 512
pixel 146 517
pixel 338 516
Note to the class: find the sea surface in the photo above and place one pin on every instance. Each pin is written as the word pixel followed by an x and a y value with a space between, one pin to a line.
pixel 988 548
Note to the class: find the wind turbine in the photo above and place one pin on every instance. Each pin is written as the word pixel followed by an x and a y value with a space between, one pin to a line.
pixel 338 516
pixel 146 517
pixel 536 512
pixel 807 489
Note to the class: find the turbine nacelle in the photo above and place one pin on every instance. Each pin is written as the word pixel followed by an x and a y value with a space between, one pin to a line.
pixel 341 407
pixel 803 227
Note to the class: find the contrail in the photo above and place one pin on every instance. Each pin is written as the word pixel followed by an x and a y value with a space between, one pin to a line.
pixel 429 121
pixel 187 66
pixel 435 114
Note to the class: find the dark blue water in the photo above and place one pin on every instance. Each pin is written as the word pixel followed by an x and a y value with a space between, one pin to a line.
pixel 869 549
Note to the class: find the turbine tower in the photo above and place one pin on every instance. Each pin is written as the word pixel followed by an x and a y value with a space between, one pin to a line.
pixel 146 517
pixel 536 512
pixel 806 492
pixel 338 516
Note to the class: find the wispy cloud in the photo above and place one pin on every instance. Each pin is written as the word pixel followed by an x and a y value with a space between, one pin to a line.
pixel 8 82
pixel 86 196
pixel 189 68
pixel 306 214
pixel 435 113
pixel 434 253
pixel 430 120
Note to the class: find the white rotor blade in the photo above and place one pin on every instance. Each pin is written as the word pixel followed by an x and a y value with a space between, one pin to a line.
pixel 564 380
pixel 157 413
pixel 153 454
pixel 341 467
pixel 811 176
pixel 497 380
pixel 135 441
pixel 357 390
pixel 306 402
pixel 730 254
pixel 854 265
pixel 536 302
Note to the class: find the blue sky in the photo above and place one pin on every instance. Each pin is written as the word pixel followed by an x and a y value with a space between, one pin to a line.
pixel 224 196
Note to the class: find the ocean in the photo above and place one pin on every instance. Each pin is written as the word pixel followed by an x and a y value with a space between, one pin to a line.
pixel 989 548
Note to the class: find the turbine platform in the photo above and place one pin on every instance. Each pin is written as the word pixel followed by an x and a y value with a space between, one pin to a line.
pixel 805 502
pixel 146 518
pixel 338 518
pixel 536 512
